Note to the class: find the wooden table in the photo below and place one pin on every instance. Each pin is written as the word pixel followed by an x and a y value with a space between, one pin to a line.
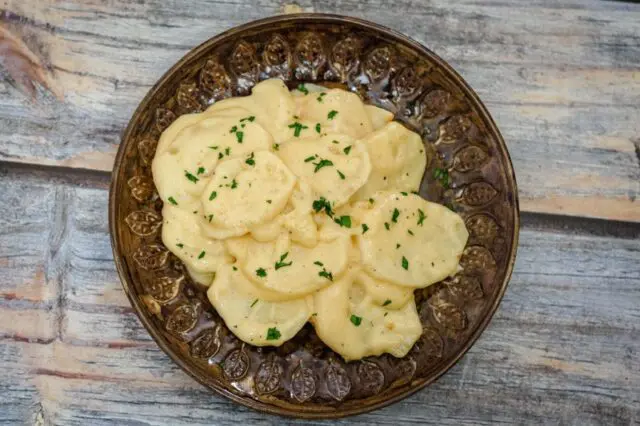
pixel 562 80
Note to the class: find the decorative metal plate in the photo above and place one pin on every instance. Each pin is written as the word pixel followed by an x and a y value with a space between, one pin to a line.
pixel 303 377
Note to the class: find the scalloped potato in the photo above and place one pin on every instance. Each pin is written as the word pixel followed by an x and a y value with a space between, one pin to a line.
pixel 294 207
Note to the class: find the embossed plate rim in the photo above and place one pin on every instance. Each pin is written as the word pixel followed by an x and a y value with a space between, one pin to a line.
pixel 393 395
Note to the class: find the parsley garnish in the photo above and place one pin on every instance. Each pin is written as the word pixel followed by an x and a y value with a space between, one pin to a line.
pixel 341 175
pixel 322 163
pixel 200 170
pixel 386 225
pixel 180 245
pixel 442 175
pixel 213 195
pixel 250 161
pixel 344 221
pixel 386 302
pixel 281 263
pixel 210 217
pixel 254 303
pixel 239 136
pixel 320 96
pixel 298 127
pixel 191 177
pixel 318 128
pixel 404 193
pixel 421 217
pixel 268 201
pixel 276 147
pixel 335 141
pixel 273 334
pixel 220 155
pixel 214 147
pixel 233 129
pixel 172 201
pixel 365 228
pixel 322 204
pixel 201 255
pixel 303 89
pixel 332 114
pixel 355 320
pixel 250 118
pixel 394 217
pixel 313 157
pixel 261 273
pixel 409 231
pixel 370 200
pixel 317 262
pixel 326 274
pixel 347 149
pixel 227 151
pixel 405 263
pixel 234 184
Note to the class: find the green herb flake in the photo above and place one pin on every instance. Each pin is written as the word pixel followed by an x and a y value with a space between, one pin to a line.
pixel 281 263
pixel 335 141
pixel 227 151
pixel 220 155
pixel 313 157
pixel 273 334
pixel 405 263
pixel 398 246
pixel 344 221
pixel 386 302
pixel 250 161
pixel 322 204
pixel 347 149
pixel 302 89
pixel 276 147
pixel 210 218
pixel 342 176
pixel 297 128
pixel 200 170
pixel 322 163
pixel 254 303
pixel 191 177
pixel 356 320
pixel 410 232
pixel 321 96
pixel 326 274
pixel 234 184
pixel 317 262
pixel 332 114
pixel 318 128
pixel 261 273
pixel 213 195
pixel 404 193
pixel 370 200
pixel 268 201
pixel 172 201
pixel 386 225
pixel 234 268
pixel 201 255
pixel 250 118
pixel 239 136
pixel 233 129
pixel 394 217
pixel 214 147
pixel 365 228
pixel 386 313
pixel 180 245
pixel 442 176
pixel 421 217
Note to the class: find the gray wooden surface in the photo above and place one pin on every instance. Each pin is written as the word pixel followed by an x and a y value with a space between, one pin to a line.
pixel 562 80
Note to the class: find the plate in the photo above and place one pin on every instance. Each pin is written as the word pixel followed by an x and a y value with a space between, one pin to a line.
pixel 303 377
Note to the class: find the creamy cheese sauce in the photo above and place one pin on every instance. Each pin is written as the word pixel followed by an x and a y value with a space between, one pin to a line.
pixel 297 206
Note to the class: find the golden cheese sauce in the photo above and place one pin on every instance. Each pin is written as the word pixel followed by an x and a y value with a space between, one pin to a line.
pixel 297 206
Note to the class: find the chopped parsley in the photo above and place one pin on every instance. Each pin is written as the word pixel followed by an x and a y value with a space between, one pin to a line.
pixel 322 163
pixel 313 157
pixel 322 204
pixel 332 114
pixel 220 155
pixel 302 89
pixel 409 231
pixel 397 246
pixel 254 303
pixel 341 175
pixel 268 201
pixel 201 255
pixel 370 200
pixel 180 245
pixel 347 149
pixel 239 136
pixel 213 195
pixel 200 170
pixel 273 334
pixel 210 217
pixel 442 176
pixel 317 262
pixel 335 141
pixel 227 151
pixel 421 217
pixel 261 272
pixel 191 177
pixel 234 184
pixel 172 201
pixel 233 129
pixel 405 263
pixel 404 193
pixel 250 118
pixel 321 96
pixel 276 147
pixel 365 228
pixel 297 128
pixel 386 302
pixel 214 147
pixel 344 221
pixel 281 263
pixel 386 225
pixel 318 128
pixel 326 274
pixel 394 217
pixel 250 161
pixel 356 320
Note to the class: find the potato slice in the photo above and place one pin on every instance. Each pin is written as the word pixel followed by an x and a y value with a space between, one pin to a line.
pixel 254 315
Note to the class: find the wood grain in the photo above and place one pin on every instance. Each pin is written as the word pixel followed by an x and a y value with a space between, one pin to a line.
pixel 563 347
pixel 561 79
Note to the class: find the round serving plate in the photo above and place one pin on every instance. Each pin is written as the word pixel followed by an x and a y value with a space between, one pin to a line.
pixel 468 170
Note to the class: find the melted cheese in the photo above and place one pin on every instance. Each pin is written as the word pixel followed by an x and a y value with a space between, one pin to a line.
pixel 250 312
pixel 410 241
pixel 266 201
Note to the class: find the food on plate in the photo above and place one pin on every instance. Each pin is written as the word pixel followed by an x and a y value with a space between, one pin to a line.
pixel 301 206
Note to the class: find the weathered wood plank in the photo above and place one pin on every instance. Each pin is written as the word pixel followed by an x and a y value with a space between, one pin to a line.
pixel 562 349
pixel 562 81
